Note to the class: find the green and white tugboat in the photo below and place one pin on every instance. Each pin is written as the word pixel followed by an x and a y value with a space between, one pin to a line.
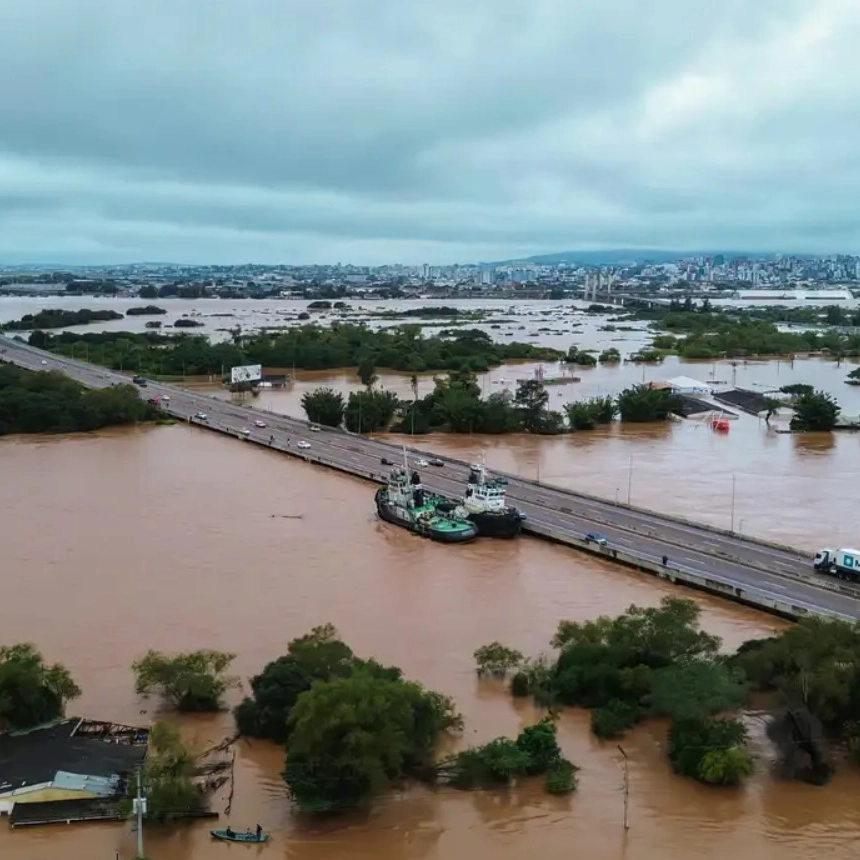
pixel 404 502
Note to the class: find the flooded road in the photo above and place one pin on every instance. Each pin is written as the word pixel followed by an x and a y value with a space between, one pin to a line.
pixel 176 539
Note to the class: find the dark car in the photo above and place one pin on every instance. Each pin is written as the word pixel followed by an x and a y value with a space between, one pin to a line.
pixel 385 461
pixel 139 380
pixel 437 462
pixel 596 537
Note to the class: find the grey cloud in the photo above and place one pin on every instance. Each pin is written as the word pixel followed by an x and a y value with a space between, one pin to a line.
pixel 393 130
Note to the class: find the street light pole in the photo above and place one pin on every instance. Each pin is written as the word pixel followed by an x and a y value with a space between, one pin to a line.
pixel 733 504
pixel 139 804
pixel 629 480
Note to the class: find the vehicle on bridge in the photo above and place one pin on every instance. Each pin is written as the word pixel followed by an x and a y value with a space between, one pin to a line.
pixel 596 537
pixel 201 416
pixel 139 380
pixel 259 423
pixel 302 444
pixel 843 563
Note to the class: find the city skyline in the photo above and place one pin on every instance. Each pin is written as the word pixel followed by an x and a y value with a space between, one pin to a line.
pixel 298 133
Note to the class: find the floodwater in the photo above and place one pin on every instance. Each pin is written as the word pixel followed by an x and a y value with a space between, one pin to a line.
pixel 731 481
pixel 171 538
pixel 793 489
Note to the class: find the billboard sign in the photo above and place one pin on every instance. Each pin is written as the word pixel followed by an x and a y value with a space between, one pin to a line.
pixel 246 373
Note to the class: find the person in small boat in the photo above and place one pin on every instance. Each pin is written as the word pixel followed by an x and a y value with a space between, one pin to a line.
pixel 229 832
pixel 259 833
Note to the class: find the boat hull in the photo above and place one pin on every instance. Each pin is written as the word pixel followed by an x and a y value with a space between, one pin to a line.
pixel 505 524
pixel 397 517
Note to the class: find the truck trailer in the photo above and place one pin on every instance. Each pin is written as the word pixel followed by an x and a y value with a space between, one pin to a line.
pixel 844 563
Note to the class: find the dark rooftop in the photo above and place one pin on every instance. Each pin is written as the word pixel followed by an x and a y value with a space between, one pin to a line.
pixel 34 757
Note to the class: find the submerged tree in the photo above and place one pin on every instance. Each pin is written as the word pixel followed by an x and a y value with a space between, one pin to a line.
pixel 167 776
pixel 370 410
pixel 814 412
pixel 31 691
pixel 349 738
pixel 318 656
pixel 642 403
pixel 497 660
pixel 324 406
pixel 498 763
pixel 193 681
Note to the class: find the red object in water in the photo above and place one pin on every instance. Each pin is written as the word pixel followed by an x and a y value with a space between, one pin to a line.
pixel 720 425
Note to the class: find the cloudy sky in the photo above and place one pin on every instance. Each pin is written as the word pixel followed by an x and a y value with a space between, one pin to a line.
pixel 373 131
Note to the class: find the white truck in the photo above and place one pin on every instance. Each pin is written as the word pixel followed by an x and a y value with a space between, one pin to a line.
pixel 844 563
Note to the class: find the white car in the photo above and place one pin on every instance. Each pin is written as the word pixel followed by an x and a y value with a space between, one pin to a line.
pixel 43 361
pixel 422 463
pixel 245 431
pixel 201 416
pixel 303 444
pixel 314 427
pixel 259 423
pixel 165 398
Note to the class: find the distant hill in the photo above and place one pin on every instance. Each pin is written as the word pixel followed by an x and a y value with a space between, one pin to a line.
pixel 625 256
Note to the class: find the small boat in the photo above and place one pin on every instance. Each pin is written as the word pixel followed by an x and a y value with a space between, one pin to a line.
pixel 239 836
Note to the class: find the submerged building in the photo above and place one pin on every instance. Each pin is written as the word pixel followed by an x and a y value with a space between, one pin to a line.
pixel 68 770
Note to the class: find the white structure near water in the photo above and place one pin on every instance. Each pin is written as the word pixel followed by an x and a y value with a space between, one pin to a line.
pixel 824 297
pixel 688 385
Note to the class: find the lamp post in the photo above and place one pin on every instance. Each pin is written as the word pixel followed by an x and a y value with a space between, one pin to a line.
pixel 732 529
pixel 629 481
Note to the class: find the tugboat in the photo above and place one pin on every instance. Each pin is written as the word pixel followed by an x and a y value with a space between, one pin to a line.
pixel 485 504
pixel 404 502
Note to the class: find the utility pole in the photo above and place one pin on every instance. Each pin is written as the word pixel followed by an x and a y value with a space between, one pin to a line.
pixel 139 808
pixel 629 480
pixel 733 504
pixel 626 790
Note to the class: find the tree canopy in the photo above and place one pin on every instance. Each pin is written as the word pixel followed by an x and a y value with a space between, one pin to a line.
pixel 311 347
pixel 317 656
pixel 641 403
pixel 192 681
pixel 34 402
pixel 168 777
pixel 351 737
pixel 324 406
pixel 814 411
pixel 31 691
pixel 59 318
pixel 649 661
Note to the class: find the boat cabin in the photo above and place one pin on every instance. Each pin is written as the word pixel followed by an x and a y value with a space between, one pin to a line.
pixel 482 494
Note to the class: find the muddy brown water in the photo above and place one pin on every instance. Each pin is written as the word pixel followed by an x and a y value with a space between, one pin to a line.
pixel 170 538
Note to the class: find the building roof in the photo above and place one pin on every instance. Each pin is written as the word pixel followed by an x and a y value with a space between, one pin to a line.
pixel 36 757
pixel 687 382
